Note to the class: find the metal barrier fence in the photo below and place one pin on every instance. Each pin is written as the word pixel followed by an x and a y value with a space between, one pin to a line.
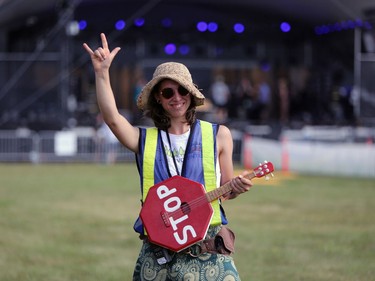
pixel 308 150
pixel 53 147
pixel 82 145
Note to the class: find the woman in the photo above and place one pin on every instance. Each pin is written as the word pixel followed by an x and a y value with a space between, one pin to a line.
pixel 170 99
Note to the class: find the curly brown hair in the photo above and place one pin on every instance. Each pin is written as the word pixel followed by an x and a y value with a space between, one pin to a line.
pixel 156 112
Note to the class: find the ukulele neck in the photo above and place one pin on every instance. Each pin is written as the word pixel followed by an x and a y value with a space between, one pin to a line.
pixel 224 189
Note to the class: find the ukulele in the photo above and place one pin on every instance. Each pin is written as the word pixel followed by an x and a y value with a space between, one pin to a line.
pixel 177 212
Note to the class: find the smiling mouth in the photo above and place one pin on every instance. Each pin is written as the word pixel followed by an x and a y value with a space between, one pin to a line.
pixel 177 105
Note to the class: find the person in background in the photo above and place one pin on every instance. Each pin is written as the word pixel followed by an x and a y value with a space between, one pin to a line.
pixel 261 95
pixel 243 97
pixel 170 99
pixel 220 94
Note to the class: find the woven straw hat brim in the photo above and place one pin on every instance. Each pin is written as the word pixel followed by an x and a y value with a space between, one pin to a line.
pixel 187 84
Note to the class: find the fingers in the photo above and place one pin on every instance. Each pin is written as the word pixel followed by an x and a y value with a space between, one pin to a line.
pixel 102 52
pixel 115 51
pixel 99 53
pixel 240 184
pixel 104 45
pixel 88 49
pixel 104 41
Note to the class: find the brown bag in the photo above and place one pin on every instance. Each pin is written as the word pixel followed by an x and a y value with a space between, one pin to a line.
pixel 222 243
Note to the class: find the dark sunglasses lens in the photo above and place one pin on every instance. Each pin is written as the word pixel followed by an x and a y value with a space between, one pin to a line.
pixel 182 91
pixel 167 93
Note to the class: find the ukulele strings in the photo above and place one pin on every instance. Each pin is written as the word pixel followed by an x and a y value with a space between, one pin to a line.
pixel 201 200
pixel 190 205
pixel 206 198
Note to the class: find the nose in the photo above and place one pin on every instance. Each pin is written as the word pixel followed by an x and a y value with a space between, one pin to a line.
pixel 176 94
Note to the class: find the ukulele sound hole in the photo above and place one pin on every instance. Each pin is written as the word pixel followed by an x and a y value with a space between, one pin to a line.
pixel 185 208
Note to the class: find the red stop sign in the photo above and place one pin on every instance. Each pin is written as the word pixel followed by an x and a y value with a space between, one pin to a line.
pixel 176 213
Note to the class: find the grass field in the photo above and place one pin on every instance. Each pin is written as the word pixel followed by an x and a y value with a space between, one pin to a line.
pixel 74 223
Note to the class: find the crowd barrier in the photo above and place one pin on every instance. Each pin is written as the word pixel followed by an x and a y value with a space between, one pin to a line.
pixel 79 145
pixel 328 151
pixel 82 145
pixel 325 151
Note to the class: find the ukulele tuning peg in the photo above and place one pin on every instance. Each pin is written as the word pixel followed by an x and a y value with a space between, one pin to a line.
pixel 268 176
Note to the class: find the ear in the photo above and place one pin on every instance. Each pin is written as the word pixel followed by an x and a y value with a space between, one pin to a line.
pixel 155 94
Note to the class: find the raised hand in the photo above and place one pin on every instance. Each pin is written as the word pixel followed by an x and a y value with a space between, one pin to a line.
pixel 102 57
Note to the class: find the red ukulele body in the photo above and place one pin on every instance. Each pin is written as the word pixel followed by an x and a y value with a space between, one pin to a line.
pixel 177 212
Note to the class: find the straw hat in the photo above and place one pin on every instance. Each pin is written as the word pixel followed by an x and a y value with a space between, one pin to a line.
pixel 174 71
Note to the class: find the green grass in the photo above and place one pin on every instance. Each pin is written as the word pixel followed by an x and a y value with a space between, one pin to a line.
pixel 74 222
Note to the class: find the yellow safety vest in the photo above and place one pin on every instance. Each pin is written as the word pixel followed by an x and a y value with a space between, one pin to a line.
pixel 208 160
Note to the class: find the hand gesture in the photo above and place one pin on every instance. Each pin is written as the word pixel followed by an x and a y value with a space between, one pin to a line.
pixel 102 57
pixel 240 184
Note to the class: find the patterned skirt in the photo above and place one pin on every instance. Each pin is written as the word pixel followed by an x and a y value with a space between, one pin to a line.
pixel 186 267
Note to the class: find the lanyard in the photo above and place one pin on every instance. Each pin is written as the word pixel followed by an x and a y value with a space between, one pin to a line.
pixel 173 157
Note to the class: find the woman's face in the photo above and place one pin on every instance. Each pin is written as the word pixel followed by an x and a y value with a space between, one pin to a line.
pixel 177 104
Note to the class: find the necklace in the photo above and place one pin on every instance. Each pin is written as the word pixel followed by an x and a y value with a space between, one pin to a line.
pixel 172 152
pixel 174 148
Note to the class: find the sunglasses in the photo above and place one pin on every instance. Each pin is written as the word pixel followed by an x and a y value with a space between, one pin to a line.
pixel 167 93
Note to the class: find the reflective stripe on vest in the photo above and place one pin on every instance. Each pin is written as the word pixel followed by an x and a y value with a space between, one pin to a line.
pixel 208 160
pixel 149 161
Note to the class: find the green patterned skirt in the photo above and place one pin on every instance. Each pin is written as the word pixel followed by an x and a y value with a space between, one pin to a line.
pixel 185 267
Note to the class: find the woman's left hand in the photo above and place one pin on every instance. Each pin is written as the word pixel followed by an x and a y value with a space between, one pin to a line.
pixel 240 184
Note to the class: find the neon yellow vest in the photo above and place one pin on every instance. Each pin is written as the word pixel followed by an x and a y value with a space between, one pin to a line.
pixel 208 160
